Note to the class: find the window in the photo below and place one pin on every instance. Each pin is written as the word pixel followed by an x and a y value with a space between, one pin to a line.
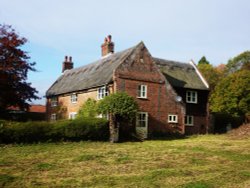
pixel 54 101
pixel 142 91
pixel 102 92
pixel 72 115
pixel 172 119
pixel 142 119
pixel 104 116
pixel 53 117
pixel 191 96
pixel 73 98
pixel 189 120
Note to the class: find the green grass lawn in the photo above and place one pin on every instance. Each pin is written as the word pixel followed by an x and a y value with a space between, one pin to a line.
pixel 203 161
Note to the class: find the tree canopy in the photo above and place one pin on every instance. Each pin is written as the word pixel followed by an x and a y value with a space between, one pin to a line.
pixel 211 74
pixel 232 94
pixel 240 62
pixel 203 60
pixel 120 104
pixel 88 109
pixel 14 67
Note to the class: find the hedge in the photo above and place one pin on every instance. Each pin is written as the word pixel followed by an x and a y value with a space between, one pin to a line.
pixel 67 130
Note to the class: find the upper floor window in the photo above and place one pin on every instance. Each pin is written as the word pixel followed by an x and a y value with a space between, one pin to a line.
pixel 102 92
pixel 142 91
pixel 142 119
pixel 54 101
pixel 73 98
pixel 172 119
pixel 72 115
pixel 191 97
pixel 189 120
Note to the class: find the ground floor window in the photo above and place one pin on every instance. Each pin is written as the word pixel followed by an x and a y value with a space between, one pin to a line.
pixel 142 119
pixel 53 117
pixel 189 120
pixel 72 115
pixel 105 116
pixel 172 118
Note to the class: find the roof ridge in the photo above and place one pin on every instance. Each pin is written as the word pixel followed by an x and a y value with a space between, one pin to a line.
pixel 108 57
pixel 174 61
pixel 96 73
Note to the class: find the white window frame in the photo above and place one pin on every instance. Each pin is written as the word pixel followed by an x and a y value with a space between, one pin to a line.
pixel 142 91
pixel 172 118
pixel 53 117
pixel 54 101
pixel 102 92
pixel 139 120
pixel 72 115
pixel 192 97
pixel 104 116
pixel 189 120
pixel 73 98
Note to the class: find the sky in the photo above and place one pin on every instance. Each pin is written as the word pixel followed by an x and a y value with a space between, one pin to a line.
pixel 178 30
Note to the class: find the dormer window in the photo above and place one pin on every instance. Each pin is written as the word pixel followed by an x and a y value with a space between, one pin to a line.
pixel 192 97
pixel 102 92
pixel 142 91
pixel 73 98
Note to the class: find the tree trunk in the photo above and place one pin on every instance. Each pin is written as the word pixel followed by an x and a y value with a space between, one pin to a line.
pixel 113 129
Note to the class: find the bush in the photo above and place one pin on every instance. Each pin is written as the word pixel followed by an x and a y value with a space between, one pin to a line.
pixel 71 130
pixel 93 129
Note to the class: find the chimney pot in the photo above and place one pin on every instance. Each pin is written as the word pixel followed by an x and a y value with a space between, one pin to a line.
pixel 109 38
pixel 107 46
pixel 67 64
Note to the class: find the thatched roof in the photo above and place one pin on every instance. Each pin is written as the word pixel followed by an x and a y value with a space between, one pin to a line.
pixel 89 76
pixel 100 73
pixel 182 75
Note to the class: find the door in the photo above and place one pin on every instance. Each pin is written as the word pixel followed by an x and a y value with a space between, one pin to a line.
pixel 142 125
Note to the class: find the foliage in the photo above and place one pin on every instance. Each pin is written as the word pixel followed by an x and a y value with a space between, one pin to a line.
pixel 14 67
pixel 74 130
pixel 232 94
pixel 119 104
pixel 203 61
pixel 211 74
pixel 88 109
pixel 240 62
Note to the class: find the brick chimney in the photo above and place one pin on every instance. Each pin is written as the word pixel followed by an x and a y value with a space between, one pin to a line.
pixel 107 46
pixel 67 64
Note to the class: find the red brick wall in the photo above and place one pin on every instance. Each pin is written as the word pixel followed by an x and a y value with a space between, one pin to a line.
pixel 199 127
pixel 160 95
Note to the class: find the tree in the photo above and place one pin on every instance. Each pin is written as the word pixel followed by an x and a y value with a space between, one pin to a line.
pixel 203 60
pixel 232 94
pixel 240 62
pixel 88 109
pixel 212 74
pixel 117 105
pixel 14 66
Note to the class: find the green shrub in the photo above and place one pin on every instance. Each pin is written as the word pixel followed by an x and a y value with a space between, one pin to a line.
pixel 72 130
pixel 93 129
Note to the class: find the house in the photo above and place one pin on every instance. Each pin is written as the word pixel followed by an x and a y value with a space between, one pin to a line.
pixel 172 96
pixel 35 112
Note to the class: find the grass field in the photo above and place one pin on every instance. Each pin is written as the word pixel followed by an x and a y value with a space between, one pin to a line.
pixel 199 162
